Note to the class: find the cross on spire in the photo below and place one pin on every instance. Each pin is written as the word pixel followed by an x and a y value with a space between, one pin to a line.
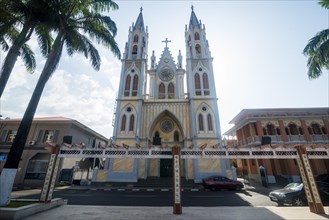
pixel 166 41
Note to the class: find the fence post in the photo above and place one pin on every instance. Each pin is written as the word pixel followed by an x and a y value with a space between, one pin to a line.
pixel 311 190
pixel 177 209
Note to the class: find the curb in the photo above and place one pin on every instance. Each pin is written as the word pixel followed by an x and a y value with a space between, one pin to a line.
pixel 137 189
pixel 25 211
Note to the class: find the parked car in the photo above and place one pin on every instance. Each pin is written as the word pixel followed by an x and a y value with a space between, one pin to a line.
pixel 221 182
pixel 294 194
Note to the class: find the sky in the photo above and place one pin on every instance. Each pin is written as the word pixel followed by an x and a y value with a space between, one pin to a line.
pixel 257 60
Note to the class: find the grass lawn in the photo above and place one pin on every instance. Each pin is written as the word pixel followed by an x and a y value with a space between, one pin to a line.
pixel 16 204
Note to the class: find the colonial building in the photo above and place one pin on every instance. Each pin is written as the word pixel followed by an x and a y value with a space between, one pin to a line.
pixel 280 128
pixel 155 111
pixel 34 161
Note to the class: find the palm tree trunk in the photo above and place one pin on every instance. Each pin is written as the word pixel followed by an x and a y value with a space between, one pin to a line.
pixel 10 168
pixel 12 55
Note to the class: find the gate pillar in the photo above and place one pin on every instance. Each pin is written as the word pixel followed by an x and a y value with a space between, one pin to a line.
pixel 50 179
pixel 311 190
pixel 177 209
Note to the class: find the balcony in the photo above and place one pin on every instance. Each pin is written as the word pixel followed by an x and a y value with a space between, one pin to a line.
pixel 296 138
pixel 320 138
pixel 277 139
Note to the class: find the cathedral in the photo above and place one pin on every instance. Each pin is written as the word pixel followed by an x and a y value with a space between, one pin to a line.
pixel 154 110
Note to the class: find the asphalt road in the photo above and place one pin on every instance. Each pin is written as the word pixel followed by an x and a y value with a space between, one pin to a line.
pixel 103 197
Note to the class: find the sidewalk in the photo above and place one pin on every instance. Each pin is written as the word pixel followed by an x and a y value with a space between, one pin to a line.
pixel 75 212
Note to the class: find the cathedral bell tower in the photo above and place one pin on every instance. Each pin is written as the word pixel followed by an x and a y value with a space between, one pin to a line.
pixel 128 114
pixel 132 81
pixel 202 92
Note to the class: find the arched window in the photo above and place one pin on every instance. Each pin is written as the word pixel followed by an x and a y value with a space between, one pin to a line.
pixel 316 128
pixel 156 134
pixel 310 131
pixel 162 94
pixel 127 86
pixel 135 85
pixel 136 38
pixel 198 48
pixel 135 48
pixel 278 131
pixel 197 84
pixel 205 84
pixel 200 118
pixel 123 123
pixel 270 129
pixel 196 36
pixel 293 129
pixel 171 91
pixel 156 138
pixel 176 136
pixel 209 120
pixel 324 130
pixel 131 123
pixel 300 130
pixel 205 81
pixel 264 131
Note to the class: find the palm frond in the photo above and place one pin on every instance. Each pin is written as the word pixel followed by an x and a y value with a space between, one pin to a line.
pixel 45 39
pixel 317 51
pixel 28 58
pixel 98 28
pixel 76 42
pixel 104 5
pixel 324 3
pixel 316 41
pixel 4 44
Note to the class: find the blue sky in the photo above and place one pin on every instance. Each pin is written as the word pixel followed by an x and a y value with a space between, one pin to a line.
pixel 256 45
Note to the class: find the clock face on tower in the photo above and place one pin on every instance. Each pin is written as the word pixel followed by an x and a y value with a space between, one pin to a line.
pixel 166 75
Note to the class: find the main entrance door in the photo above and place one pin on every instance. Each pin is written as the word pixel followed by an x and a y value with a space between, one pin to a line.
pixel 166 169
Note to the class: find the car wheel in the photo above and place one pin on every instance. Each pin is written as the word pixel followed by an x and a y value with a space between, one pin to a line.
pixel 212 188
pixel 280 203
pixel 238 187
pixel 297 201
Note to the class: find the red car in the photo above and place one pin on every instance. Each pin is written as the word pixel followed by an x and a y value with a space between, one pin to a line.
pixel 221 182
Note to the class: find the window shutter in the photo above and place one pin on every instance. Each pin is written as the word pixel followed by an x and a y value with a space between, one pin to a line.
pixel 55 136
pixel 39 139
pixel 4 135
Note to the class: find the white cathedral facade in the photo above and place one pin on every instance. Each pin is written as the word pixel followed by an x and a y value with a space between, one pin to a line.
pixel 154 111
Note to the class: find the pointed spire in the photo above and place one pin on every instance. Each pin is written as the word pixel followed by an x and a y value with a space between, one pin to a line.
pixel 194 20
pixel 139 24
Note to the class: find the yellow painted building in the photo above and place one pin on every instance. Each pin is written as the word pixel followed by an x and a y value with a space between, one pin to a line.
pixel 155 110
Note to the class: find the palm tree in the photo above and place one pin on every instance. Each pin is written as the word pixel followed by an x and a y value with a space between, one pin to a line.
pixel 31 16
pixel 317 50
pixel 76 17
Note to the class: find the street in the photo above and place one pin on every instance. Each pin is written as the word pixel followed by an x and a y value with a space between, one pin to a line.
pixel 157 198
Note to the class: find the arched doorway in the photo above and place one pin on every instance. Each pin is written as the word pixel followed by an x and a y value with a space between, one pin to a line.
pixel 166 132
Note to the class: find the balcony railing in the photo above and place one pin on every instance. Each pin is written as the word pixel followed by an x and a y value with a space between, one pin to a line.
pixel 277 139
pixel 296 138
pixel 320 138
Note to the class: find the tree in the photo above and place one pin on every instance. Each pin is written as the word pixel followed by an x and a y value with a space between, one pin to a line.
pixel 75 18
pixel 317 50
pixel 31 15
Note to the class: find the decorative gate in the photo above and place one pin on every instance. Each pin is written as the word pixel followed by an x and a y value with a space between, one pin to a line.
pixel 301 152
